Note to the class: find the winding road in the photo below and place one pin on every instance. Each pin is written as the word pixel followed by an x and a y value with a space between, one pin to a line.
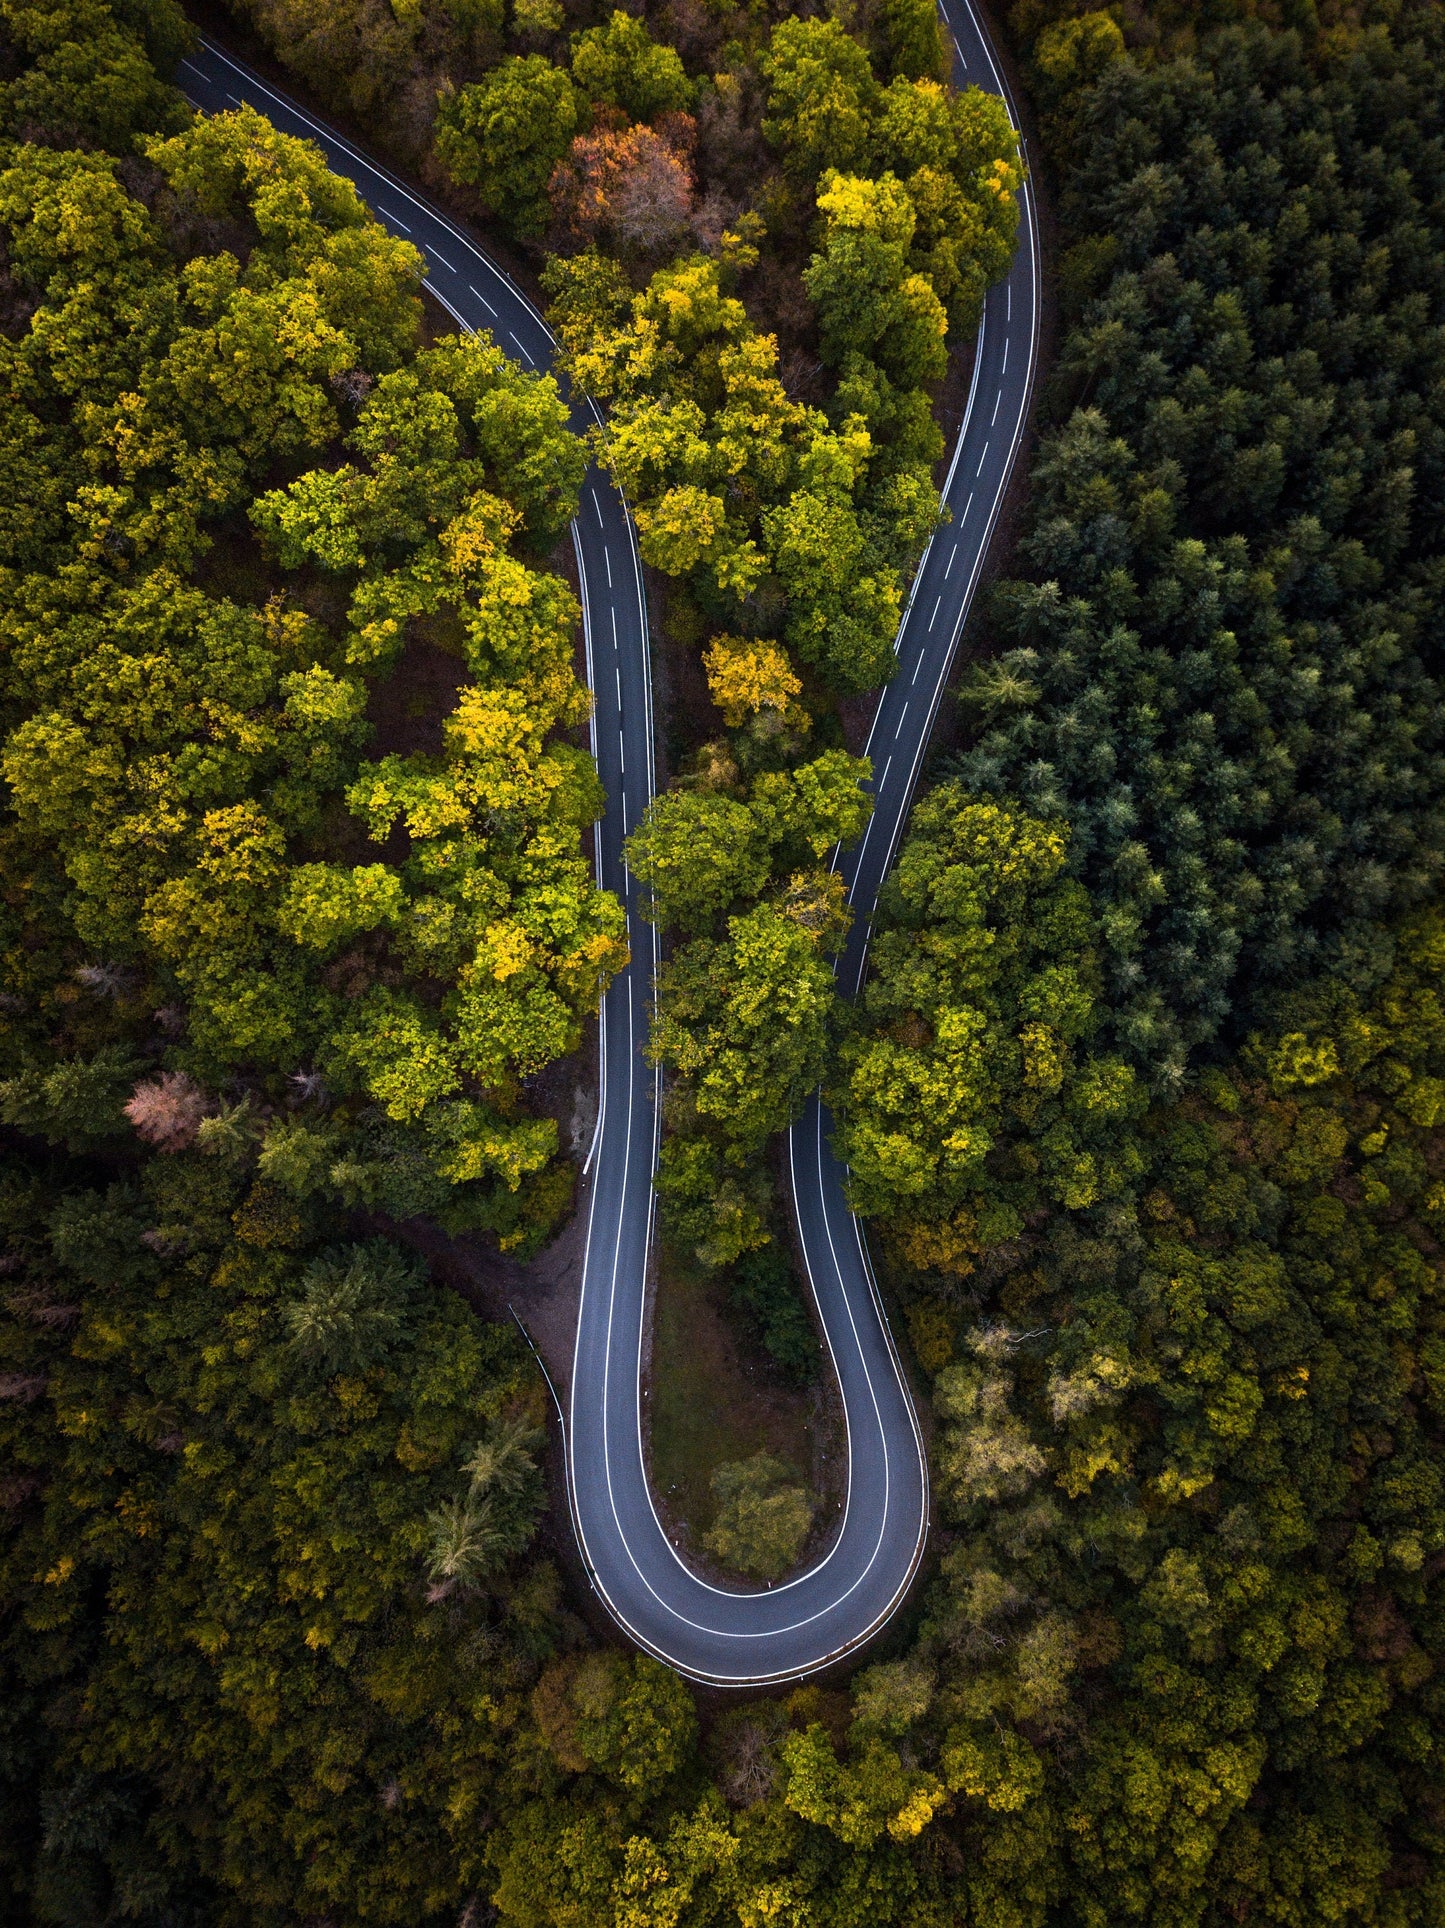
pixel 724 1636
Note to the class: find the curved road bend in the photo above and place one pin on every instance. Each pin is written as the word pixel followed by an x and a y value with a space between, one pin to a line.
pixel 714 1634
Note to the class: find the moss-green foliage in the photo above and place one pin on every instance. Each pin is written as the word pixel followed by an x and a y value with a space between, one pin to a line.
pixel 752 498
pixel 229 1439
pixel 746 1008
pixel 186 768
pixel 504 135
pixel 972 1096
pixel 916 184
pixel 274 1646
pixel 618 64
pixel 762 1517
pixel 1181 1662
pixel 381 64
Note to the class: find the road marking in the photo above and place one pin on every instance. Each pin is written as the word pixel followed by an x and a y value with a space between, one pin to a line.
pixel 951 554
pixel 618 674
pixel 901 721
pixel 614 625
pixel 483 299
pixel 395 219
pixel 981 460
pixel 884 778
pixel 966 507
pixel 828 1205
pixel 622 752
pixel 520 349
pixel 597 505
pixel 996 400
pixel 916 667
pixel 1006 340
pixel 234 101
pixel 607 558
pixel 1008 313
pixel 934 617
pixel 439 257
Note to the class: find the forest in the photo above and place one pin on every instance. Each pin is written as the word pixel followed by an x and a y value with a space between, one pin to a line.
pixel 1143 1101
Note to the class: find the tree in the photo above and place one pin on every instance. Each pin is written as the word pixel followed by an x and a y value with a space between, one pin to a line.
pixel 820 92
pixel 697 853
pixel 868 301
pixel 629 1718
pixel 619 64
pixel 353 1308
pixel 88 75
pixel 631 185
pixel 862 1799
pixel 762 1517
pixel 248 1564
pixel 169 1111
pixel 914 40
pixel 747 1019
pixel 980 1010
pixel 753 679
pixel 326 905
pixel 504 134
pixel 839 619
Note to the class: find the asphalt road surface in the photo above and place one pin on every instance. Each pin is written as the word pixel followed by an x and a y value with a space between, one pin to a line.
pixel 728 1636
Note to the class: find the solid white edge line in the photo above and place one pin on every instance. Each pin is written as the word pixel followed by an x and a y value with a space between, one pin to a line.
pixel 792 1671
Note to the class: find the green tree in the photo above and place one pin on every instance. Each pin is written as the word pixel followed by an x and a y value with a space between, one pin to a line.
pixel 505 133
pixel 619 64
pixel 697 853
pixel 868 302
pixel 915 42
pixel 821 91
pixel 747 1019
pixel 245 1558
pixel 761 1518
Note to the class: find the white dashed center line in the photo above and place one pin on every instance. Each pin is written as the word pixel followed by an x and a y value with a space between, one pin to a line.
pixel 483 299
pixel 438 257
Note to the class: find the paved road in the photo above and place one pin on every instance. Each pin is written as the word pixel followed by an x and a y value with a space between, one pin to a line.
pixel 724 1635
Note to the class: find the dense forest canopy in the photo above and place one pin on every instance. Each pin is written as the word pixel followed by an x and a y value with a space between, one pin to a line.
pixel 1222 666
pixel 237 488
pixel 1144 1100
